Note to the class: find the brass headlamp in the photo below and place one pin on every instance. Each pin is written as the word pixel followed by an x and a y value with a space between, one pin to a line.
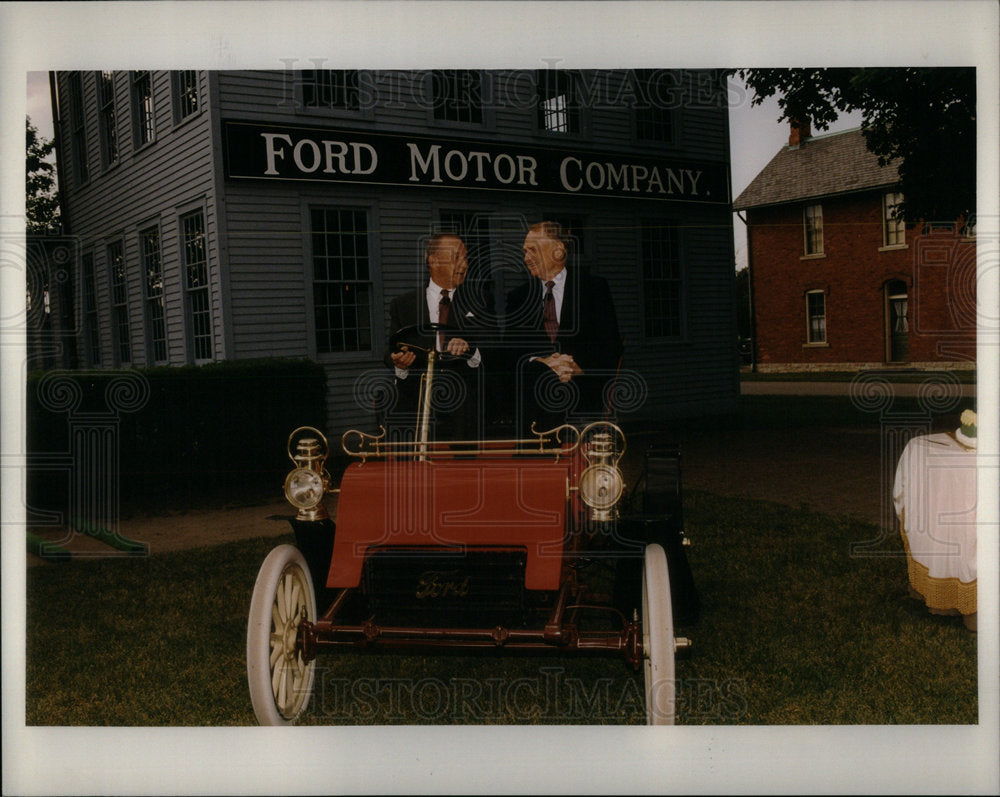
pixel 601 483
pixel 306 486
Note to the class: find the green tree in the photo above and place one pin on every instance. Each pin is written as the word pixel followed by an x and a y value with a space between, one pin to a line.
pixel 922 120
pixel 42 200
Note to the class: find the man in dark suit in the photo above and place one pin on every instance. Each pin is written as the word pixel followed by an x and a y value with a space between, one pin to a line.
pixel 456 395
pixel 562 332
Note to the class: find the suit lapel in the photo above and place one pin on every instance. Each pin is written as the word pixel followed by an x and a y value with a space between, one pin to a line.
pixel 456 316
pixel 421 314
pixel 567 315
pixel 536 296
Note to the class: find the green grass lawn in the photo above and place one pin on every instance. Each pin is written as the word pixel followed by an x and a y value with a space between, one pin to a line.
pixel 794 630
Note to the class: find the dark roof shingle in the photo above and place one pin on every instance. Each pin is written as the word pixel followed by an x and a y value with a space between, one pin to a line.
pixel 825 165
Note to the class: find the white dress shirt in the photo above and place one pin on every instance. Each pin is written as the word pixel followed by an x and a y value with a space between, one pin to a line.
pixel 433 295
pixel 558 290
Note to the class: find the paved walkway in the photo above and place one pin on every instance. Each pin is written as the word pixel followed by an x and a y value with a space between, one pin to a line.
pixel 768 387
pixel 833 471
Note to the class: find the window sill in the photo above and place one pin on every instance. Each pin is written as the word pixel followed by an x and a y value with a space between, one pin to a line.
pixel 138 150
pixel 341 357
pixel 893 248
pixel 652 145
pixel 180 121
pixel 319 113
pixel 819 256
pixel 816 345
pixel 562 135
pixel 455 124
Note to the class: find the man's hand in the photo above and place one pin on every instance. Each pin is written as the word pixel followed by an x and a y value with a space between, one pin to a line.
pixel 563 364
pixel 403 358
pixel 457 346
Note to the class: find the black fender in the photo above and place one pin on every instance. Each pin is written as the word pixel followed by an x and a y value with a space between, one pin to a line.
pixel 315 539
pixel 659 518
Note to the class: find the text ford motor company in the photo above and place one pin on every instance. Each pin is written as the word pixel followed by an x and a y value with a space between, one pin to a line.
pixel 255 151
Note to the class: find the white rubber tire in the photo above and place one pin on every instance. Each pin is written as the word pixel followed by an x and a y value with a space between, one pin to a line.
pixel 658 639
pixel 280 681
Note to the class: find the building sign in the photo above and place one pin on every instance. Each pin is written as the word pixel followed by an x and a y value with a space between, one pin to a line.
pixel 286 152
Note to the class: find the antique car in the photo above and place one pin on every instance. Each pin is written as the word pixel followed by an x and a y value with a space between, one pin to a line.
pixel 471 544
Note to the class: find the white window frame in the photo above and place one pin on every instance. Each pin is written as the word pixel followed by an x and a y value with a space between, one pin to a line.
pixel 558 110
pixel 660 247
pixel 458 97
pixel 151 270
pixel 78 130
pixel 810 339
pixel 199 315
pixel 893 229
pixel 91 322
pixel 107 116
pixel 330 89
pixel 143 108
pixel 121 323
pixel 654 122
pixel 368 284
pixel 812 230
pixel 186 89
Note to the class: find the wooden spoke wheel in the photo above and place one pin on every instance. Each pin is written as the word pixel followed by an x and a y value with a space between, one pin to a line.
pixel 280 680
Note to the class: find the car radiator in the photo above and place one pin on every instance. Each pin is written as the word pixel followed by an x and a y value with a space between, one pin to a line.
pixel 438 587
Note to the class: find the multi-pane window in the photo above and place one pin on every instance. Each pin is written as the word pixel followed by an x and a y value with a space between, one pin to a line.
pixel 661 278
pixel 812 218
pixel 558 110
pixel 457 95
pixel 106 116
pixel 196 288
pixel 893 226
pixel 142 108
pixel 654 118
pixel 119 302
pixel 331 88
pixel 185 94
pixel 816 316
pixel 78 131
pixel 342 285
pixel 152 270
pixel 90 330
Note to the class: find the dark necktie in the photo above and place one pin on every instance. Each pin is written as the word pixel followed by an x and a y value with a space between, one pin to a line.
pixel 549 320
pixel 443 307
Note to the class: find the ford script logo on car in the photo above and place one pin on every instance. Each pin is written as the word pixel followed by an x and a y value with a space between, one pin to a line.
pixel 441 584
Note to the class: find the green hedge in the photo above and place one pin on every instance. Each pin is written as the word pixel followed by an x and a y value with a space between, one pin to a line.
pixel 187 437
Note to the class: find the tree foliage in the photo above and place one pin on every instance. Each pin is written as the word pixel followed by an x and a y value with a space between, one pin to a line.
pixel 41 200
pixel 921 120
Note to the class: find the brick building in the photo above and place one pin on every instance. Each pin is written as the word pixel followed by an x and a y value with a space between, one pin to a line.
pixel 838 284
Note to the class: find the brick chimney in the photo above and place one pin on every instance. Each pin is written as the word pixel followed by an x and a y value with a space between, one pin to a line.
pixel 800 132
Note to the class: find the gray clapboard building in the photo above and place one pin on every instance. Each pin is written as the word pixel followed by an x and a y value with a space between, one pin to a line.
pixel 246 214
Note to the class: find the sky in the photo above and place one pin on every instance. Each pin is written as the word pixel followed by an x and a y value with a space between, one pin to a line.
pixel 38 108
pixel 755 137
